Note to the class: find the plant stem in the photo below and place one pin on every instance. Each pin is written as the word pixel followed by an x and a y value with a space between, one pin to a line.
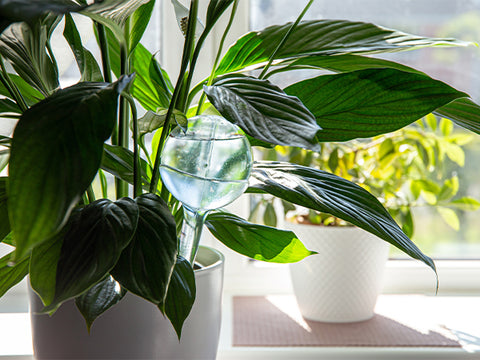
pixel 122 186
pixel 137 185
pixel 284 40
pixel 103 44
pixel 90 194
pixel 187 50
pixel 12 88
pixel 219 53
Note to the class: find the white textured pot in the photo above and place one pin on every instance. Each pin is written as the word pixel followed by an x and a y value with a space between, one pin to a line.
pixel 342 282
pixel 135 329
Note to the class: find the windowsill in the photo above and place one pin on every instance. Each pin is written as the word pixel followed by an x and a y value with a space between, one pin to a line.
pixel 458 313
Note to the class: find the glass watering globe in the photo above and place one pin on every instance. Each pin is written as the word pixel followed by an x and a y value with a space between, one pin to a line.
pixel 204 168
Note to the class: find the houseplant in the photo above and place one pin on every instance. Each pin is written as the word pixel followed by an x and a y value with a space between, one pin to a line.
pixel 412 167
pixel 49 209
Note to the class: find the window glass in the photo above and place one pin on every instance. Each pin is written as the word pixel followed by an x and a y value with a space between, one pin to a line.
pixel 459 67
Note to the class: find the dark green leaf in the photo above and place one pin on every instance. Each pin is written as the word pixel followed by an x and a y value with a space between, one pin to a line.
pixel 256 241
pixel 264 111
pixel 9 108
pixel 89 69
pixel 43 267
pixel 370 102
pixel 10 275
pixel 118 161
pixel 215 9
pixel 94 241
pixel 463 112
pixel 180 294
pixel 24 47
pixel 99 299
pixel 325 192
pixel 4 220
pixel 69 128
pixel 30 10
pixel 321 37
pixel 147 263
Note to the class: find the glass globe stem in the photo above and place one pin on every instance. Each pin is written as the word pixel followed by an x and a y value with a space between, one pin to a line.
pixel 189 239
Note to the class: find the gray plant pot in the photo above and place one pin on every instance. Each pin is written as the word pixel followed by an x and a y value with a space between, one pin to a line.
pixel 135 328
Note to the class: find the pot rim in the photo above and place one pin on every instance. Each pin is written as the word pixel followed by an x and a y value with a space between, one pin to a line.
pixel 218 263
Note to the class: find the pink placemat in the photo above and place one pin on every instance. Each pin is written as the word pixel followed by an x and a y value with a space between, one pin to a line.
pixel 276 321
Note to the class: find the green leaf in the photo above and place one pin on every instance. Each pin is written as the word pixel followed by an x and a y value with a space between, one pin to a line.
pixel 449 189
pixel 370 102
pixel 118 161
pixel 10 275
pixel 29 93
pixel 43 267
pixel 465 203
pixel 321 37
pixel 30 11
pixel 455 153
pixel 89 69
pixel 99 299
pixel 114 10
pixel 325 192
pixel 339 63
pixel 463 112
pixel 264 111
pixel 92 245
pixel 139 21
pixel 4 220
pixel 24 47
pixel 431 121
pixel 256 241
pixel 450 217
pixel 146 265
pixel 9 108
pixel 333 160
pixel 69 128
pixel 446 127
pixel 180 295
pixel 269 216
pixel 152 121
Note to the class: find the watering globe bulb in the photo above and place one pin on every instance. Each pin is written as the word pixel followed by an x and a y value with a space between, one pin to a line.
pixel 205 167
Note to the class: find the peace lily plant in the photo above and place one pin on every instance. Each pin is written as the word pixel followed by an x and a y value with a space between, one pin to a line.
pixel 74 243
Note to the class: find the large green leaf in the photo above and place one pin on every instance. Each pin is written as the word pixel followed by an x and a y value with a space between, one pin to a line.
pixel 30 10
pixel 56 151
pixel 339 63
pixel 370 102
pixel 180 295
pixel 99 299
pixel 321 37
pixel 96 236
pixel 89 69
pixel 4 220
pixel 118 161
pixel 11 275
pixel 258 242
pixel 325 192
pixel 146 265
pixel 264 111
pixel 25 48
pixel 463 112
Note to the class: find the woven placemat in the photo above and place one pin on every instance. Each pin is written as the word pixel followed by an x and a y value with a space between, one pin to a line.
pixel 276 321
